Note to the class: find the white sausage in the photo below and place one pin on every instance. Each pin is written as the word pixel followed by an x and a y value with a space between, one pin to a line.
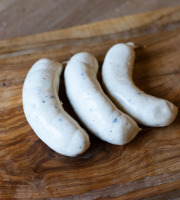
pixel 45 113
pixel 92 106
pixel 117 79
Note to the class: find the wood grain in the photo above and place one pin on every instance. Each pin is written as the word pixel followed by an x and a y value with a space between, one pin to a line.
pixel 22 17
pixel 147 168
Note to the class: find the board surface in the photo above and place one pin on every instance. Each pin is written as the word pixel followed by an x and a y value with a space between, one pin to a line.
pixel 146 168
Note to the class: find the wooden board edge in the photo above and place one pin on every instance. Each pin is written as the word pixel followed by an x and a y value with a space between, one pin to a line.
pixel 105 27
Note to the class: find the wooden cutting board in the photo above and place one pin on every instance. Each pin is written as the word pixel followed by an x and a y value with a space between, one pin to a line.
pixel 146 168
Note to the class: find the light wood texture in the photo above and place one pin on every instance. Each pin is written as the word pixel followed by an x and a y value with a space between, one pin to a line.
pixel 146 168
pixel 23 17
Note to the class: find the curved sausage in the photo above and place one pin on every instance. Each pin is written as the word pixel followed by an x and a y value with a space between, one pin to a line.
pixel 92 106
pixel 45 113
pixel 117 79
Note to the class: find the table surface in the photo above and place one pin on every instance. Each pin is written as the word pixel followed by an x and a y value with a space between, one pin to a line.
pixel 22 17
